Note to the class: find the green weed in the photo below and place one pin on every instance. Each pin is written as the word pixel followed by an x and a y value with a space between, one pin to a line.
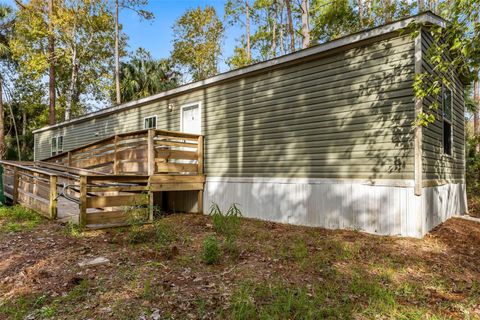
pixel 243 304
pixel 21 307
pixel 211 250
pixel 78 293
pixel 380 298
pixel 164 233
pixel 137 214
pixel 73 230
pixel 231 248
pixel 226 224
pixel 17 218
pixel 267 301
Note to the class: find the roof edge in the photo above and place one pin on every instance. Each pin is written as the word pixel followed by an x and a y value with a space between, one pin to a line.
pixel 427 17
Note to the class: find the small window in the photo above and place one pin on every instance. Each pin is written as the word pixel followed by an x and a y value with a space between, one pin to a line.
pixel 447 121
pixel 150 123
pixel 57 145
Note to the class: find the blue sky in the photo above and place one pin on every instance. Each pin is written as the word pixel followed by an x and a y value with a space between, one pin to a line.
pixel 156 35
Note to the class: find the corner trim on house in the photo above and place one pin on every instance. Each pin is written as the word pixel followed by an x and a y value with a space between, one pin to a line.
pixel 423 18
pixel 418 148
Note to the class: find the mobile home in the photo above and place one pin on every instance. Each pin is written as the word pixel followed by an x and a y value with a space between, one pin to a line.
pixel 320 137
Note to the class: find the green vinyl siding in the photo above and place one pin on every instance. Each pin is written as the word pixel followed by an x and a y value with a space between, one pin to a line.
pixel 436 164
pixel 347 114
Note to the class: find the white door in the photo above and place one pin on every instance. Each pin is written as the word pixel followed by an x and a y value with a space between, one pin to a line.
pixel 191 122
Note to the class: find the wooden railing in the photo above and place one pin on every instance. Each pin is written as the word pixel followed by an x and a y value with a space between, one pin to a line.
pixel 31 187
pixel 113 200
pixel 108 182
pixel 145 152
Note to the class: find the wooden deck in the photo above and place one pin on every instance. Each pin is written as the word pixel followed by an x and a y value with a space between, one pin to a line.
pixel 111 182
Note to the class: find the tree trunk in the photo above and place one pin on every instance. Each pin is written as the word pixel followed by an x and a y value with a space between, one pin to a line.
pixel 51 52
pixel 117 56
pixel 12 116
pixel 476 99
pixel 421 6
pixel 273 47
pixel 369 12
pixel 387 11
pixel 281 35
pixel 72 85
pixel 360 12
pixel 247 31
pixel 24 131
pixel 290 25
pixel 305 25
pixel 2 123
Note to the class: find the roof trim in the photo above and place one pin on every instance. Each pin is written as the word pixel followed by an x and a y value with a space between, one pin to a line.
pixel 424 18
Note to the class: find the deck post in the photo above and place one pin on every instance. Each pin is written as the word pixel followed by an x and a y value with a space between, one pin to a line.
pixel 200 201
pixel 53 197
pixel 69 157
pixel 200 155
pixel 15 185
pixel 82 216
pixel 116 158
pixel 151 152
pixel 35 183
pixel 151 204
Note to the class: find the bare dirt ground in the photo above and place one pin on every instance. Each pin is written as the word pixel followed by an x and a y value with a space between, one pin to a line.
pixel 268 271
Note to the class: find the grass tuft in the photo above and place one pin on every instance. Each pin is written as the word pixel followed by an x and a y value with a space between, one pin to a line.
pixel 17 218
pixel 226 224
pixel 211 250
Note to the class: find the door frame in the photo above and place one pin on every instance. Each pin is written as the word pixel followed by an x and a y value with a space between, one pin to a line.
pixel 199 104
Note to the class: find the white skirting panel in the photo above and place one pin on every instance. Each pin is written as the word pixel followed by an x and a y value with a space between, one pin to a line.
pixel 442 202
pixel 382 208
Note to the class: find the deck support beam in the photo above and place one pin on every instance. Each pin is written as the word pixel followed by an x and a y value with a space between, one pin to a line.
pixel 151 152
pixel 82 217
pixel 116 158
pixel 200 201
pixel 200 155
pixel 151 206
pixel 53 197
pixel 15 185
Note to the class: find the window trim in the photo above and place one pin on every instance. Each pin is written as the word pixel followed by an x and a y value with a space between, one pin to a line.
pixel 444 89
pixel 57 151
pixel 156 122
pixel 199 104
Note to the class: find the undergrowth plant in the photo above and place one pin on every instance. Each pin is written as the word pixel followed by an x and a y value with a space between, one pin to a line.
pixel 73 229
pixel 165 236
pixel 17 218
pixel 211 250
pixel 226 224
pixel 137 214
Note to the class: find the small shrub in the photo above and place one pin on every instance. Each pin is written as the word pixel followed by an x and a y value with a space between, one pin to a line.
pixel 211 250
pixel 231 248
pixel 137 214
pixel 299 250
pixel 164 236
pixel 227 224
pixel 73 230
pixel 164 233
pixel 137 234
